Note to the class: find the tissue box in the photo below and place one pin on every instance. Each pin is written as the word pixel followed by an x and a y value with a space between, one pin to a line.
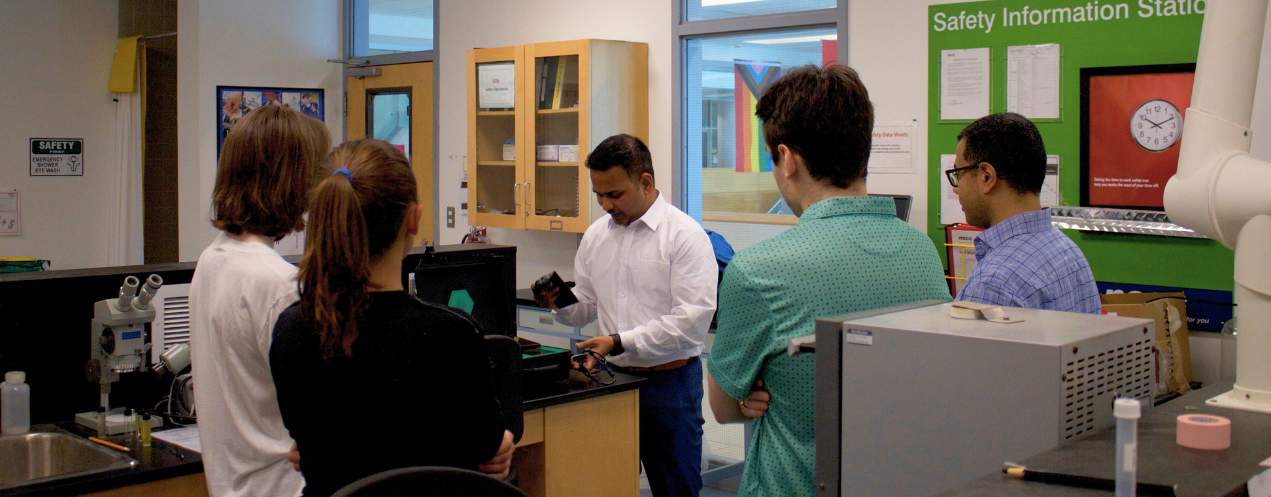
pixel 509 151
pixel 567 153
pixel 547 153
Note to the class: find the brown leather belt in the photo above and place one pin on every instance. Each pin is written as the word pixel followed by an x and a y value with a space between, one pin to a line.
pixel 676 364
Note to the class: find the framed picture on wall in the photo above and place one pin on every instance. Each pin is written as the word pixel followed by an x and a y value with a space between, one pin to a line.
pixel 234 102
pixel 1131 132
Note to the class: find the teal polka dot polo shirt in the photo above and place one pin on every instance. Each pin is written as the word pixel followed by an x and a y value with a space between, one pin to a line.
pixel 847 254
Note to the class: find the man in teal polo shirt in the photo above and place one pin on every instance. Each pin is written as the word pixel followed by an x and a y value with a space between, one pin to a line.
pixel 848 253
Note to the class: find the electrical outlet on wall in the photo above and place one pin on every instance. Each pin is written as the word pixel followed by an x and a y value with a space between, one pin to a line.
pixel 450 217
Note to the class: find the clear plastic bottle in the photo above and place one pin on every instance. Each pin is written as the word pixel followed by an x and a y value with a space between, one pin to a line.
pixel 131 430
pixel 15 404
pixel 1127 412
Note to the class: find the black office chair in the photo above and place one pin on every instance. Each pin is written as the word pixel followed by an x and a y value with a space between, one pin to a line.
pixel 429 481
pixel 505 375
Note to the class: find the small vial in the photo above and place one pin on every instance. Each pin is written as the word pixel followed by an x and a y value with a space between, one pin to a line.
pixel 143 428
pixel 128 419
pixel 1127 412
pixel 130 426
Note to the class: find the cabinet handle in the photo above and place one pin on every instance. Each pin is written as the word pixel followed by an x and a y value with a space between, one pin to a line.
pixel 516 195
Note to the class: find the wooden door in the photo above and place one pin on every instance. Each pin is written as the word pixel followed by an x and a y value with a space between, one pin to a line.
pixel 397 106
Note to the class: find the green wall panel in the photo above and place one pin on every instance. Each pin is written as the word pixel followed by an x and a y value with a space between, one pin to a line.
pixel 1142 36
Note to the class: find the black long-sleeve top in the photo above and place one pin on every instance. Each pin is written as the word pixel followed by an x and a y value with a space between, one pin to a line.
pixel 415 392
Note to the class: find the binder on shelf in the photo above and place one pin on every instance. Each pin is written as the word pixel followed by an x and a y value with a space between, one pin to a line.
pixel 547 81
pixel 560 82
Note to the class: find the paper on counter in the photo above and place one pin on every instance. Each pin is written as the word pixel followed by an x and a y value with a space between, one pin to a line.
pixel 186 438
pixel 964 83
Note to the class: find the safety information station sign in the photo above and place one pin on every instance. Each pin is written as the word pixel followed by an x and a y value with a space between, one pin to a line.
pixel 57 157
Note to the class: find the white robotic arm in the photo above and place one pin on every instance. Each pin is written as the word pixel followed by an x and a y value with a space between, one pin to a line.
pixel 1222 191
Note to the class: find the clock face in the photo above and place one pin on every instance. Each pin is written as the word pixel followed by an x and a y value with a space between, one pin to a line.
pixel 1156 125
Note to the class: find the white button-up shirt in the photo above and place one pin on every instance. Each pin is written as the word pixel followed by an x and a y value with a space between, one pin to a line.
pixel 653 282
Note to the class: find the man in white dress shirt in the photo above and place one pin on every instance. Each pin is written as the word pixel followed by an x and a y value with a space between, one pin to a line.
pixel 648 273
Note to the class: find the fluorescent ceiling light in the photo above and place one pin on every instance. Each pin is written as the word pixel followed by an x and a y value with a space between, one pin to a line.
pixel 716 3
pixel 793 39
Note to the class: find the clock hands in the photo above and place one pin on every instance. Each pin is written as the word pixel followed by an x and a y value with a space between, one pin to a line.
pixel 1156 124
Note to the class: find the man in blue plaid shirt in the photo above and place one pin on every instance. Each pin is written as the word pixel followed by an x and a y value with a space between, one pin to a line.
pixel 1021 259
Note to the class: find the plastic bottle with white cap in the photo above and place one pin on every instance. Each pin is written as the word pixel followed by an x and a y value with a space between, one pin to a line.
pixel 15 404
pixel 1127 412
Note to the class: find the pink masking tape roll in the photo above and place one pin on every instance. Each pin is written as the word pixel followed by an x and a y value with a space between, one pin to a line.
pixel 1204 431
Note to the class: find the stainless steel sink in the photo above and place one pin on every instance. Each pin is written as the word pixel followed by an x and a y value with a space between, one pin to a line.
pixel 50 455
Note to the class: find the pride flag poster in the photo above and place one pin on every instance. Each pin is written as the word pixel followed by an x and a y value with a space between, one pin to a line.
pixel 750 81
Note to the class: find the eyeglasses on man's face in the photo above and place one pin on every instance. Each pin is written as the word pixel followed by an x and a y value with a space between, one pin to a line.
pixel 954 174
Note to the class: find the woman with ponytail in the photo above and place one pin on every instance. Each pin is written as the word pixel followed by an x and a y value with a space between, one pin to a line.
pixel 357 349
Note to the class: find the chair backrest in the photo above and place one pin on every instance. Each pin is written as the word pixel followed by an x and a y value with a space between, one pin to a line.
pixel 505 375
pixel 429 481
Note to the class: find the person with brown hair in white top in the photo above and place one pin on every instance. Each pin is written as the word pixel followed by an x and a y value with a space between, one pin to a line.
pixel 268 164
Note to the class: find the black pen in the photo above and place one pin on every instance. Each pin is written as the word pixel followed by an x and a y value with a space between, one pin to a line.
pixel 1145 489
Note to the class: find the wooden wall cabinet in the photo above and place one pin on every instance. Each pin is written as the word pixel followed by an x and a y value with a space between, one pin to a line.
pixel 527 147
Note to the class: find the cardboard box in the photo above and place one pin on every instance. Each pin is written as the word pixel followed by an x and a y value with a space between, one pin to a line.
pixel 1173 352
pixel 567 153
pixel 547 153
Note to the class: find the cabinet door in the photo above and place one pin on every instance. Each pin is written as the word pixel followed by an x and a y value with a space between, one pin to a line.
pixel 496 170
pixel 556 136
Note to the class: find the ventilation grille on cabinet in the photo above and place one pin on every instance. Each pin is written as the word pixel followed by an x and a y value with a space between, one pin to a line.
pixel 1099 377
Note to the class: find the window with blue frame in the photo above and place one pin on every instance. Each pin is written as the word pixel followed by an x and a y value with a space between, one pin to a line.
pixel 383 27
pixel 727 165
pixel 702 10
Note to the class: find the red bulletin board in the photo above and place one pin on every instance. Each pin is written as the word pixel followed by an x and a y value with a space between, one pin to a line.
pixel 1131 131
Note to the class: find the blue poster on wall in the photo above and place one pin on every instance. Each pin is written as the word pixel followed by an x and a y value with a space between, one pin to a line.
pixel 234 102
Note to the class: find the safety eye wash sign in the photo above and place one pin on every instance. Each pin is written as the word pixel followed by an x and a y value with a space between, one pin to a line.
pixel 57 157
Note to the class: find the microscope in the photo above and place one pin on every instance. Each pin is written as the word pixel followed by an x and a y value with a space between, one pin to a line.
pixel 117 345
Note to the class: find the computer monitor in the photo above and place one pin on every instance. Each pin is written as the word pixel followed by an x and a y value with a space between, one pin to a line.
pixel 479 279
pixel 902 204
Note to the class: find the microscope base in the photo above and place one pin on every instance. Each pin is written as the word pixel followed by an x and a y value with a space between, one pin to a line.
pixel 116 422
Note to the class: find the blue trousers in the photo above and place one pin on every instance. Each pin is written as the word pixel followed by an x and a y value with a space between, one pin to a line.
pixel 671 430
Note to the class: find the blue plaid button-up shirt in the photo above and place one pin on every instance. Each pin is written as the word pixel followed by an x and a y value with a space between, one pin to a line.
pixel 1026 262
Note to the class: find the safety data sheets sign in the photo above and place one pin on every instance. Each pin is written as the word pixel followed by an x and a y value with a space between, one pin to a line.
pixel 891 150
